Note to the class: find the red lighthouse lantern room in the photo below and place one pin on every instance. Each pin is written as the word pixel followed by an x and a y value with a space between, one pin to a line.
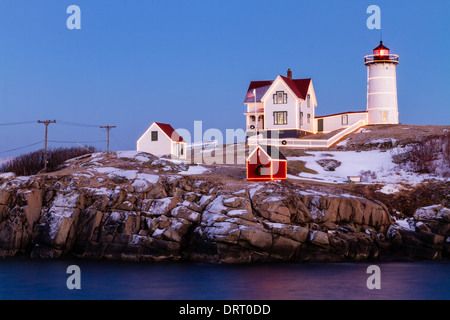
pixel 381 51
pixel 381 54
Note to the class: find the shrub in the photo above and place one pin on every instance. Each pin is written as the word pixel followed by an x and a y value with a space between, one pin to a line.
pixel 368 176
pixel 431 155
pixel 33 162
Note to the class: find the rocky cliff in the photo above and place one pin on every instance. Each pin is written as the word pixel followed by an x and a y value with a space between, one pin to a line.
pixel 137 207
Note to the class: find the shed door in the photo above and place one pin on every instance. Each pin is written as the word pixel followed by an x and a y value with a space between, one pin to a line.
pixel 320 125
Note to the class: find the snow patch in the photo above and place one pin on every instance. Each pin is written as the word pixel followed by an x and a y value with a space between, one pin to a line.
pixel 7 175
pixel 389 189
pixel 198 169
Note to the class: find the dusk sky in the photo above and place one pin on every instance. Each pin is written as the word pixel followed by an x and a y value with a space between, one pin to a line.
pixel 139 61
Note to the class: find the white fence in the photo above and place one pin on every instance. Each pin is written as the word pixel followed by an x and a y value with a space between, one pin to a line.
pixel 306 143
pixel 203 144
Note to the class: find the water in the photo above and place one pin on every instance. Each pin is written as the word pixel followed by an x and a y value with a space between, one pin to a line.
pixel 22 278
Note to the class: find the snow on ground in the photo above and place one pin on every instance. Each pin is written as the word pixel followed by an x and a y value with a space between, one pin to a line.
pixel 7 175
pixel 112 172
pixel 373 166
pixel 198 169
pixel 135 155
pixel 389 189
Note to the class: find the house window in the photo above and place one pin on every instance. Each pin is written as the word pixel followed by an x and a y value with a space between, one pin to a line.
pixel 344 119
pixel 308 100
pixel 280 97
pixel 280 117
pixel 308 118
pixel 301 118
pixel 154 135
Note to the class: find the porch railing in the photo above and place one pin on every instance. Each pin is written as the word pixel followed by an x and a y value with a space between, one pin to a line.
pixel 306 143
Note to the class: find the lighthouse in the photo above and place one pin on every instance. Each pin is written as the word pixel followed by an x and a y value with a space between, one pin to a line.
pixel 382 105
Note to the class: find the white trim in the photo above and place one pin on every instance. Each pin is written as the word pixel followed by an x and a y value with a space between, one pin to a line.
pixel 382 78
pixel 146 131
pixel 382 108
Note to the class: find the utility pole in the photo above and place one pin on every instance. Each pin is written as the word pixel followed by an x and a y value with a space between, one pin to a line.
pixel 46 122
pixel 107 130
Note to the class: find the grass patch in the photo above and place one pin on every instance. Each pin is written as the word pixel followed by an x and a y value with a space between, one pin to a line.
pixel 297 166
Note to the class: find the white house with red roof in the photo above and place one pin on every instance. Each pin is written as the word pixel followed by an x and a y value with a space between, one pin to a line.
pixel 284 109
pixel 284 105
pixel 161 139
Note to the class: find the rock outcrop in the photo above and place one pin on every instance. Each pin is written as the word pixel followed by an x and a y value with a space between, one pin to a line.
pixel 105 210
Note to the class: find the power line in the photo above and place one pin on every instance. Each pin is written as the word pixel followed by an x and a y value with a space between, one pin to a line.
pixel 77 124
pixel 93 141
pixel 120 143
pixel 28 145
pixel 16 123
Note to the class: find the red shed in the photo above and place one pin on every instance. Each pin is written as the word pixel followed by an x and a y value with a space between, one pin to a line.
pixel 266 164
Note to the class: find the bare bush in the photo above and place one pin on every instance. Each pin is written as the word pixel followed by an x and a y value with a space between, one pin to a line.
pixel 431 155
pixel 368 176
pixel 33 162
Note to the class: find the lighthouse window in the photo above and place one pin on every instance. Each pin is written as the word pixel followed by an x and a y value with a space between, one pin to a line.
pixel 344 119
pixel 280 97
pixel 280 117
pixel 385 116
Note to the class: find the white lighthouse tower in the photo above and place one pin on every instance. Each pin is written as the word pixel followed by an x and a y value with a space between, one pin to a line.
pixel 382 106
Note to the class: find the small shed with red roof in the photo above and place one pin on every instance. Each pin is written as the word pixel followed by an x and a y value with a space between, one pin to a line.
pixel 162 139
pixel 266 163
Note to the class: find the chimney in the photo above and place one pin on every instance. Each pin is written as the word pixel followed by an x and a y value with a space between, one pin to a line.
pixel 289 74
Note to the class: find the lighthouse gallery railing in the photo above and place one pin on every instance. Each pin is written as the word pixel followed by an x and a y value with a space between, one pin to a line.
pixel 393 58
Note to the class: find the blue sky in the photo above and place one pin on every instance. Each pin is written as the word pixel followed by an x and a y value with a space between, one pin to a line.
pixel 135 62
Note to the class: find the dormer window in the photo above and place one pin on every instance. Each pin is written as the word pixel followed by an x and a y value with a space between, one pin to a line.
pixel 280 97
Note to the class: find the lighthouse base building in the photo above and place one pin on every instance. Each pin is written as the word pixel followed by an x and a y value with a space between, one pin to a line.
pixel 285 108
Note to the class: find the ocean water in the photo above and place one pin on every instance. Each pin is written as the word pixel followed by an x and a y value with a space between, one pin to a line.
pixel 30 279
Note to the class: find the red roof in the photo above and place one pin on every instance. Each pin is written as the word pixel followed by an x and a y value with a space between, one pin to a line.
pixel 381 46
pixel 261 87
pixel 167 128
pixel 298 86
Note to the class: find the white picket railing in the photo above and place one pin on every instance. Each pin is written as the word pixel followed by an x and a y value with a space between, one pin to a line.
pixel 306 143
pixel 203 144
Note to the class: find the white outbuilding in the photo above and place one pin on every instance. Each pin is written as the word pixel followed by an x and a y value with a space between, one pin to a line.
pixel 161 139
